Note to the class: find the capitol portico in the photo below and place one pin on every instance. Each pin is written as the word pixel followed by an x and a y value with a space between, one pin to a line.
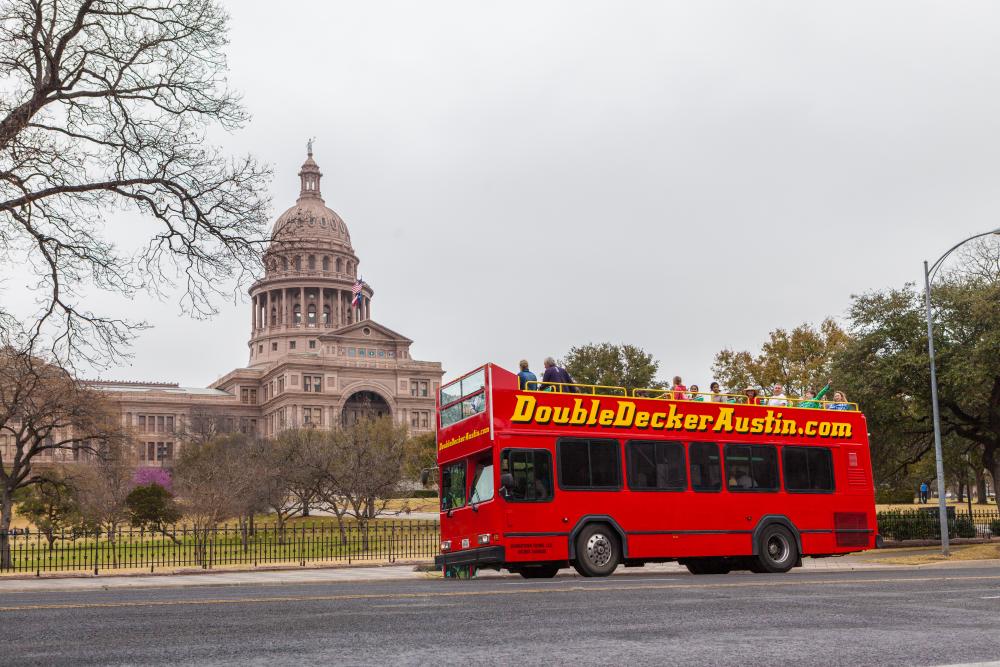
pixel 316 357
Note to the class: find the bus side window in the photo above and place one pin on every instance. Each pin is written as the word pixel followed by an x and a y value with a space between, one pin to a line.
pixel 706 472
pixel 531 471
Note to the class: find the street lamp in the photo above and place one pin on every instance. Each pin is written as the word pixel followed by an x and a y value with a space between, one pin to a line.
pixel 928 277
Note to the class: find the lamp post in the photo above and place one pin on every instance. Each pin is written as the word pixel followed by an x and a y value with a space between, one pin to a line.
pixel 928 277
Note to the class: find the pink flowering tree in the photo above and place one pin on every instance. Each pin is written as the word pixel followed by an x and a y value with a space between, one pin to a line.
pixel 147 476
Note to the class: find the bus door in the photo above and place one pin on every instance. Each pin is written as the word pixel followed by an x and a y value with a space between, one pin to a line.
pixel 530 525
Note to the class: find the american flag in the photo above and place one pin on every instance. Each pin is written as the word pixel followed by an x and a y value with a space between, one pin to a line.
pixel 356 293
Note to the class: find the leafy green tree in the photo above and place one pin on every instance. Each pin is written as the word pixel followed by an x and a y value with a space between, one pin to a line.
pixel 151 507
pixel 799 359
pixel 885 367
pixel 613 365
pixel 50 505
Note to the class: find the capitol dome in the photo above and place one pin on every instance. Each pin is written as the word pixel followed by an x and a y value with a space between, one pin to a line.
pixel 310 219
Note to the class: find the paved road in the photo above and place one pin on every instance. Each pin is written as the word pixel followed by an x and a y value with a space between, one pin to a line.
pixel 874 617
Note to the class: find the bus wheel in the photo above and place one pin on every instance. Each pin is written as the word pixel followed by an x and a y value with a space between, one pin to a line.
pixel 776 550
pixel 708 566
pixel 539 572
pixel 597 551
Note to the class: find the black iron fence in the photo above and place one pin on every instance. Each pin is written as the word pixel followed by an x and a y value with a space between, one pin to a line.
pixel 298 543
pixel 923 524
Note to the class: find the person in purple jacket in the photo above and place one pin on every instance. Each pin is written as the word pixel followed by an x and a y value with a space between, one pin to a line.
pixel 555 375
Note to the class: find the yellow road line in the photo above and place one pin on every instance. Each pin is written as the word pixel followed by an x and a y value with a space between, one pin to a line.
pixel 476 593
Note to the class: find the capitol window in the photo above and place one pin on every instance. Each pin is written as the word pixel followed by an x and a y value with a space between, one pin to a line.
pixel 312 262
pixel 291 345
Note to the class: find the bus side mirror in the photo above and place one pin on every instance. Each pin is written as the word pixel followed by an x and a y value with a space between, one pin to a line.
pixel 506 483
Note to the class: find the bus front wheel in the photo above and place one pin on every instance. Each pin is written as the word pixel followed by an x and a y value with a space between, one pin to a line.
pixel 539 572
pixel 776 550
pixel 597 551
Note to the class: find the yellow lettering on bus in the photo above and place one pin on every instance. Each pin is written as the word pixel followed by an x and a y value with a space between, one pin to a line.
pixel 641 419
pixel 657 420
pixel 810 428
pixel 543 414
pixel 704 421
pixel 560 415
pixel 674 419
pixel 626 412
pixel 523 409
pixel 690 422
pixel 841 430
pixel 757 425
pixel 579 413
pixel 607 417
pixel 724 423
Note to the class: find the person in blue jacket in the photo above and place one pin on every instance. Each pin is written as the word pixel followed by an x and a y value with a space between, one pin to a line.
pixel 526 376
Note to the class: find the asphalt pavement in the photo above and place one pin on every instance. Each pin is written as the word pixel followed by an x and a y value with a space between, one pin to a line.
pixel 911 616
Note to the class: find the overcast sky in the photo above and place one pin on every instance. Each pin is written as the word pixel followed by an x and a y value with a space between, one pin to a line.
pixel 524 177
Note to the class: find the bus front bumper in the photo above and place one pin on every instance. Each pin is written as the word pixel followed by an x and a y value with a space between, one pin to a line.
pixel 480 556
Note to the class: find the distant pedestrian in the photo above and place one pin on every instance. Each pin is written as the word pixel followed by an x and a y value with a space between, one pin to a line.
pixel 924 489
pixel 525 376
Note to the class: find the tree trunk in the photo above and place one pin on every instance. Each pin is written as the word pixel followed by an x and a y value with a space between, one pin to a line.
pixel 961 495
pixel 6 516
pixel 981 487
pixel 995 470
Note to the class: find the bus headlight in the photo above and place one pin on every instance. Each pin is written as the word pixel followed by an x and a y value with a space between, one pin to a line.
pixel 484 538
pixel 445 545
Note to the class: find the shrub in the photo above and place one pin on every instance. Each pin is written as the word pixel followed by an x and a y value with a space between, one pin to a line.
pixel 963 527
pixel 995 527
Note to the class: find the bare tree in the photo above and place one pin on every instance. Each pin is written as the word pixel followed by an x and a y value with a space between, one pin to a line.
pixel 45 415
pixel 362 469
pixel 212 482
pixel 107 104
pixel 288 476
pixel 101 487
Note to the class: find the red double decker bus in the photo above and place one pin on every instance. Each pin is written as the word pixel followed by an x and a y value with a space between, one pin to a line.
pixel 550 476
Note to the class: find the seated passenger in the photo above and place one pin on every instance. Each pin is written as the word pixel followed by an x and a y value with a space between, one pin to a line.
pixel 812 399
pixel 751 396
pixel 716 396
pixel 695 393
pixel 840 402
pixel 778 398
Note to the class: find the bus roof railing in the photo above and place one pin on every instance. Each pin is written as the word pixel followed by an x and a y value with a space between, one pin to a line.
pixel 573 388
pixel 743 399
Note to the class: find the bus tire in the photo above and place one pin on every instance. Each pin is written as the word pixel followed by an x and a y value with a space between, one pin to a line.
pixel 598 551
pixel 708 566
pixel 776 550
pixel 546 571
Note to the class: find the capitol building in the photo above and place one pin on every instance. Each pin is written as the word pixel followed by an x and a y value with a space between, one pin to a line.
pixel 316 356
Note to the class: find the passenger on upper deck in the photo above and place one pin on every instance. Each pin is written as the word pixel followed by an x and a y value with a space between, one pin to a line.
pixel 525 376
pixel 556 375
pixel 679 390
pixel 778 398
pixel 812 399
pixel 695 394
pixel 840 403
pixel 717 396
pixel 751 395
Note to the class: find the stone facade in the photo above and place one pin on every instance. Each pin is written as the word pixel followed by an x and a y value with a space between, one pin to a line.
pixel 315 359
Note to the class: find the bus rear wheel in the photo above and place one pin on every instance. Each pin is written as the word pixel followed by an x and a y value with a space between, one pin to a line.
pixel 776 551
pixel 708 566
pixel 597 551
pixel 539 571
